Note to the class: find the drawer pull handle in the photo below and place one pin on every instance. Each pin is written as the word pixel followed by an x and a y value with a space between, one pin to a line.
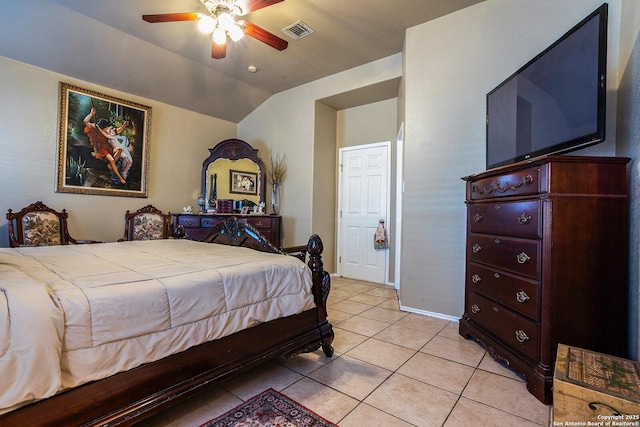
pixel 496 275
pixel 206 222
pixel 522 296
pixel 476 278
pixel 521 335
pixel 476 248
pixel 523 258
pixel 524 219
pixel 189 222
pixel 497 241
pixel 475 308
pixel 259 224
pixel 477 218
pixel 495 186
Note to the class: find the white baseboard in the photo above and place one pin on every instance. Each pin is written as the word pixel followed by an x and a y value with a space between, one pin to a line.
pixel 430 313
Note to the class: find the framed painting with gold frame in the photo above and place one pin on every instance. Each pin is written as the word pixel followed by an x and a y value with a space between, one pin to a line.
pixel 103 144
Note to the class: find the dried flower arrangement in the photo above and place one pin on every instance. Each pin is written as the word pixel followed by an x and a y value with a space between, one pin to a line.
pixel 278 169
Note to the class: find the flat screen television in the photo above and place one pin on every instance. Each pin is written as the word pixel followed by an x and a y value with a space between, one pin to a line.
pixel 556 102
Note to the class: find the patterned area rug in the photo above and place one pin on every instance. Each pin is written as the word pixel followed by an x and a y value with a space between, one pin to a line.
pixel 269 409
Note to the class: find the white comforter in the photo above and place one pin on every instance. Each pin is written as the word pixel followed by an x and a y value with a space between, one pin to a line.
pixel 77 313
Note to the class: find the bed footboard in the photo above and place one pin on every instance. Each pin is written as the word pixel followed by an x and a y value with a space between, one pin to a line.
pixel 237 233
pixel 321 288
pixel 130 396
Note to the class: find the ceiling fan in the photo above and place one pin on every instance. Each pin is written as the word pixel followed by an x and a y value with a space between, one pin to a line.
pixel 222 24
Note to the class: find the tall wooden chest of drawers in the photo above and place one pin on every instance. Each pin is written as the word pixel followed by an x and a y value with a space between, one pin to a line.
pixel 546 262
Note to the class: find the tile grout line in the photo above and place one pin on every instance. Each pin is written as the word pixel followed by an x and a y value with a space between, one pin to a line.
pixel 475 368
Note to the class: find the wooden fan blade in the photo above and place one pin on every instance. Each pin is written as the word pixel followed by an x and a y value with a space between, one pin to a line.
pixel 218 51
pixel 253 5
pixel 264 36
pixel 170 17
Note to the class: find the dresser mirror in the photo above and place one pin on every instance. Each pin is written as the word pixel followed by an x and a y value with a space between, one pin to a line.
pixel 233 171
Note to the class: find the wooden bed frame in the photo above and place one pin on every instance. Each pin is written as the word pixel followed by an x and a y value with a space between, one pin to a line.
pixel 128 397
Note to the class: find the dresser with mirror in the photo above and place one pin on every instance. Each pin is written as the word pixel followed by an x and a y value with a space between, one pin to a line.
pixel 233 183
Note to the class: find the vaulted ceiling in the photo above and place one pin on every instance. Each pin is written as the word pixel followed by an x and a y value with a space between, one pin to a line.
pixel 106 42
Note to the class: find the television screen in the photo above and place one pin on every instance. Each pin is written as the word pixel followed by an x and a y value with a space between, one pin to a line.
pixel 556 102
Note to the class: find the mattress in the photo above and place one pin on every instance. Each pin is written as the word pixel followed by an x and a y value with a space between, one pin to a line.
pixel 78 313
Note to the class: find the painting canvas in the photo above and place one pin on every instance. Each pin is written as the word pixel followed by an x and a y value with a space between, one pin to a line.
pixel 103 145
pixel 243 182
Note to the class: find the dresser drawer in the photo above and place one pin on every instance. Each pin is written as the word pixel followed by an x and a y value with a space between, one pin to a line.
pixel 511 218
pixel 189 220
pixel 196 221
pixel 210 221
pixel 518 294
pixel 517 332
pixel 517 183
pixel 520 256
pixel 262 222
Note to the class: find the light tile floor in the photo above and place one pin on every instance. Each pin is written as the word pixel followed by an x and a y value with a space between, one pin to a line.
pixel 390 368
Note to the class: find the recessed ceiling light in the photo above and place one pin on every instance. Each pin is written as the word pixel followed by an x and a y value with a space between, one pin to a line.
pixel 252 68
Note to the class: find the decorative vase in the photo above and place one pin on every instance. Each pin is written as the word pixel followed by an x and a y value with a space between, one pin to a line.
pixel 213 197
pixel 275 198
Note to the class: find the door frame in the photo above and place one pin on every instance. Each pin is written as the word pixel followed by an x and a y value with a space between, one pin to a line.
pixel 399 199
pixel 387 145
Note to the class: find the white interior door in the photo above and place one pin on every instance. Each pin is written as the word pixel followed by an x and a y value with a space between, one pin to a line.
pixel 363 202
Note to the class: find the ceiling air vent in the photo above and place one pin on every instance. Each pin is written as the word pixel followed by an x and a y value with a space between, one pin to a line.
pixel 298 30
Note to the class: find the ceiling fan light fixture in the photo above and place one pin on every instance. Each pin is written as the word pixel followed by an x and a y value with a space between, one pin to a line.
pixel 209 4
pixel 236 33
pixel 237 10
pixel 219 36
pixel 207 24
pixel 226 21
pixel 220 22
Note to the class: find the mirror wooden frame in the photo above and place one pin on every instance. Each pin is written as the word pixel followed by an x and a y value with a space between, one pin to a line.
pixel 234 149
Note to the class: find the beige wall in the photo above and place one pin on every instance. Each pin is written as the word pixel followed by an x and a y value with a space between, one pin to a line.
pixel 323 215
pixel 447 75
pixel 366 124
pixel 286 124
pixel 179 143
pixel 309 203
